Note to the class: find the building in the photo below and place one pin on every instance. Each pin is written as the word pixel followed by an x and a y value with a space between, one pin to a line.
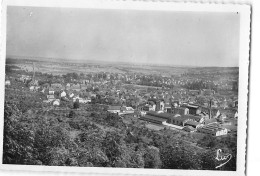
pixel 178 110
pixel 193 109
pixel 213 129
pixel 63 94
pixel 71 95
pixel 75 87
pixel 153 119
pixel 81 100
pixel 32 88
pixel 236 115
pixel 189 129
pixel 193 124
pixel 116 109
pixel 51 91
pixel 56 102
pixel 207 92
pixel 194 92
pixel 149 107
pixel 171 120
pixel 182 120
pixel 50 98
pixel 212 112
pixel 159 104
pixel 56 86
pixel 7 83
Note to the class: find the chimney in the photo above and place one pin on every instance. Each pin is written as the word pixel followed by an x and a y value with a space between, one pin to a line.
pixel 210 109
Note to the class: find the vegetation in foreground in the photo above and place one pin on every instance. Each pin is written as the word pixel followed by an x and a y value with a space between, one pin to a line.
pixel 97 138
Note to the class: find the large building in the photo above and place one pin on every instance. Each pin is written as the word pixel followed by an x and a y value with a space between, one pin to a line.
pixel 213 129
pixel 193 109
pixel 166 118
pixel 178 110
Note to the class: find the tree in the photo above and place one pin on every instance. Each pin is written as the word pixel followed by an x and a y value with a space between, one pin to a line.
pixel 152 158
pixel 18 138
pixel 72 114
pixel 177 156
pixel 76 104
pixel 208 141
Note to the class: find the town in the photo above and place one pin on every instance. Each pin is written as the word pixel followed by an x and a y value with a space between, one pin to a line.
pixel 189 104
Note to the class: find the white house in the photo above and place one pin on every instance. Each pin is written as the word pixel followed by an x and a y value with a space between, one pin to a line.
pixel 7 83
pixel 37 87
pixel 213 129
pixel 71 95
pixel 63 94
pixel 43 90
pixel 51 97
pixel 236 115
pixel 81 100
pixel 56 102
pixel 32 88
pixel 51 92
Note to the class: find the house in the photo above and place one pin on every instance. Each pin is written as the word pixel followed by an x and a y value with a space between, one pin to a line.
pixel 83 87
pixel 213 112
pixel 7 83
pixel 192 124
pixel 193 109
pixel 179 110
pixel 235 104
pixel 46 85
pixel 32 88
pixel 221 117
pixel 210 121
pixel 189 129
pixel 67 85
pixel 167 108
pixel 149 107
pixel 56 86
pixel 175 103
pixel 56 102
pixel 63 94
pixel 81 100
pixel 50 97
pixel 51 91
pixel 71 95
pixel 182 120
pixel 213 129
pixel 236 115
pixel 194 92
pixel 43 90
pixel 34 83
pixel 170 120
pixel 75 87
pixel 46 101
pixel 37 88
pixel 159 104
pixel 207 92
pixel 116 109
pixel 153 119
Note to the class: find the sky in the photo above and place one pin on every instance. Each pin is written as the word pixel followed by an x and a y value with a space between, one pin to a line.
pixel 161 37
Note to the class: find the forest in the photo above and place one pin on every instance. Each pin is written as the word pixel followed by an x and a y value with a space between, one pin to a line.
pixel 97 138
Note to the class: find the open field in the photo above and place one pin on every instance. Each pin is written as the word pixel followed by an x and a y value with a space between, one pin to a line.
pixel 57 67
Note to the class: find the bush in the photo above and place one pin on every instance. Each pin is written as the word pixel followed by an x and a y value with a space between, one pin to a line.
pixel 72 114
pixel 76 104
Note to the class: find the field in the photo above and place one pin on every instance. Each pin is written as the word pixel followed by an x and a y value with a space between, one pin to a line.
pixel 59 66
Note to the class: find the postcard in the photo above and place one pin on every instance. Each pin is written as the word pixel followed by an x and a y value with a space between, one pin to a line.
pixel 124 87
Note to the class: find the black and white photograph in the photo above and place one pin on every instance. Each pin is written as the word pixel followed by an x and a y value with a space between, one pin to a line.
pixel 124 86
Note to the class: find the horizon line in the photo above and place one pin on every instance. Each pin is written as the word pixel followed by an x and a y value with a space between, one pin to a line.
pixel 111 61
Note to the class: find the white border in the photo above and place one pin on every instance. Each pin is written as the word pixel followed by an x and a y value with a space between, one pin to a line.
pixel 244 11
